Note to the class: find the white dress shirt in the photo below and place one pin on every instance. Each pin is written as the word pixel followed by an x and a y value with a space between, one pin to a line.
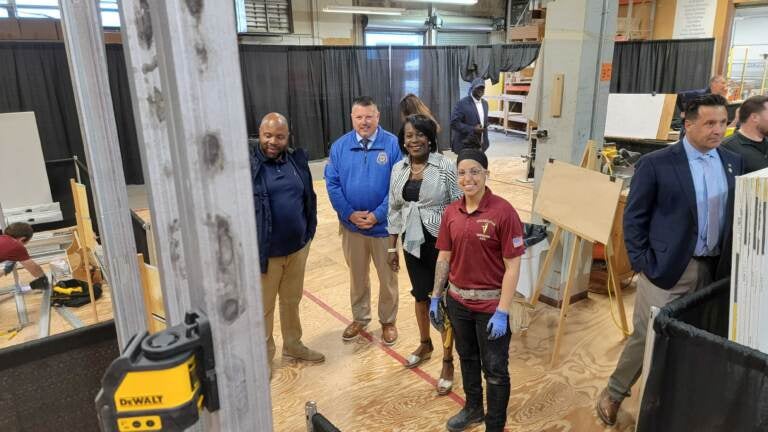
pixel 480 110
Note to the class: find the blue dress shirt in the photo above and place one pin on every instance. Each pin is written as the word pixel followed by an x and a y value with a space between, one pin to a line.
pixel 703 195
pixel 371 139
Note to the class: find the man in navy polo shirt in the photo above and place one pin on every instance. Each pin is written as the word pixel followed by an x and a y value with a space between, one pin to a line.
pixel 357 178
pixel 282 184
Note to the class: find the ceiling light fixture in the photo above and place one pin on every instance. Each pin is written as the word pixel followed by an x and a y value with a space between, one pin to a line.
pixel 363 10
pixel 455 2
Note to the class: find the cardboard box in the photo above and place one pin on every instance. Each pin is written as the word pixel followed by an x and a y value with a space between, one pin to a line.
pixel 527 73
pixel 38 29
pixel 112 37
pixel 9 29
pixel 531 32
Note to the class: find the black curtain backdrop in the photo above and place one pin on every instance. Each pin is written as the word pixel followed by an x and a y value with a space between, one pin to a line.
pixel 314 86
pixel 699 380
pixel 266 89
pixel 305 101
pixel 35 77
pixel 662 66
pixel 432 74
pixel 349 72
pixel 488 61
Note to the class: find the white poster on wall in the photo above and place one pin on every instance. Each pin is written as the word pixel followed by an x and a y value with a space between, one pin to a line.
pixel 694 19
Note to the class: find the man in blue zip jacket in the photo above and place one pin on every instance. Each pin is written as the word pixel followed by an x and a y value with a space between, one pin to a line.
pixel 282 183
pixel 357 178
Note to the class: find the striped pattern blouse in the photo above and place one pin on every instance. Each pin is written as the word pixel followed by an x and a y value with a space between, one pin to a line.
pixel 438 189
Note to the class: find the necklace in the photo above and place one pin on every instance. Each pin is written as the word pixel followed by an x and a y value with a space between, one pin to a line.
pixel 414 172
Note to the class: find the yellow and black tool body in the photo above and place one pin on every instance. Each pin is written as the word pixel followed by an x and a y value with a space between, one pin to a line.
pixel 67 291
pixel 161 382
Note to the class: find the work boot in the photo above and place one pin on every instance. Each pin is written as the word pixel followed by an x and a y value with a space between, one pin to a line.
pixel 304 354
pixel 465 418
pixel 607 408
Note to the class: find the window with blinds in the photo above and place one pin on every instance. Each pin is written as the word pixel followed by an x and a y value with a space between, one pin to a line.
pixel 268 16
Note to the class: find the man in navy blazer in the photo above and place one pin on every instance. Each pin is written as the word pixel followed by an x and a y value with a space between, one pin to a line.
pixel 470 116
pixel 677 229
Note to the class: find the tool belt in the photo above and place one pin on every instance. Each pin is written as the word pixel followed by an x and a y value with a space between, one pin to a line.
pixel 73 293
pixel 476 294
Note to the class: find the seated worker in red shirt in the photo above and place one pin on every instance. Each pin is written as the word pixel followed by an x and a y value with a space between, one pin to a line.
pixel 12 250
pixel 480 243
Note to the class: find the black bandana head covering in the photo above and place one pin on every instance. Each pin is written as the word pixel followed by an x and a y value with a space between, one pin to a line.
pixel 473 154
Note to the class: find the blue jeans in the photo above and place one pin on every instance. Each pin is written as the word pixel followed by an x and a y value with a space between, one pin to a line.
pixel 477 353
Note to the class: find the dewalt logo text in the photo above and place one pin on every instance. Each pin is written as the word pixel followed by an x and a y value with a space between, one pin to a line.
pixel 138 401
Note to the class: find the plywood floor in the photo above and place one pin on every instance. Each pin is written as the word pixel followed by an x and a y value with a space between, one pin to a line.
pixel 363 386
pixel 9 318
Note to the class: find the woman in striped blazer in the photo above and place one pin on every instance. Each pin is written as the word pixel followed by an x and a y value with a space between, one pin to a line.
pixel 422 185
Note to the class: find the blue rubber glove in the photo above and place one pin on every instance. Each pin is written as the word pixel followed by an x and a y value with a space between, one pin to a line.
pixel 497 326
pixel 435 315
pixel 8 267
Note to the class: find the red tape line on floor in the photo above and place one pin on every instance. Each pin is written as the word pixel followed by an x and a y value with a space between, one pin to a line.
pixel 392 353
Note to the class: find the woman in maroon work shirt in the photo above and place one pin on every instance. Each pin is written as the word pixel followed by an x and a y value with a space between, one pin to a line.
pixel 480 243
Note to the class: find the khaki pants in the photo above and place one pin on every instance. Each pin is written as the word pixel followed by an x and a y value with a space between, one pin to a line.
pixel 284 278
pixel 358 251
pixel 697 275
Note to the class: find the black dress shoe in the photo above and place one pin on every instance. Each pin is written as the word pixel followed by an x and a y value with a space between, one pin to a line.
pixel 465 418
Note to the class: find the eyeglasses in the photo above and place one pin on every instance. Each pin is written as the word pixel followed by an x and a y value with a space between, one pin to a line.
pixel 474 172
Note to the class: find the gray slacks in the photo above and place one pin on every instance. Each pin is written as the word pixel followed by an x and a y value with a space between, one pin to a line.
pixel 697 274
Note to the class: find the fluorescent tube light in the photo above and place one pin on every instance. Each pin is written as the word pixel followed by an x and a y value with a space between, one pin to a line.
pixel 456 2
pixel 363 10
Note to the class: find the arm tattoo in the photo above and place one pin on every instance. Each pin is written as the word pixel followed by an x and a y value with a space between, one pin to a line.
pixel 442 268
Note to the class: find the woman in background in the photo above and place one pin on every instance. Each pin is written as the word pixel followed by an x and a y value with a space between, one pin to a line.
pixel 410 104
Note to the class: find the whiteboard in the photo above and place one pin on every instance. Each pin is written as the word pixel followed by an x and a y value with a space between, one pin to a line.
pixel 23 179
pixel 632 115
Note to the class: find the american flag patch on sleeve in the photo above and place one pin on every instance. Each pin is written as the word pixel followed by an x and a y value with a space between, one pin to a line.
pixel 517 241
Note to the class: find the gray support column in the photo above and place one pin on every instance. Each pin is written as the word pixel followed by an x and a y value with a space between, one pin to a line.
pixel 149 111
pixel 84 39
pixel 585 30
pixel 197 57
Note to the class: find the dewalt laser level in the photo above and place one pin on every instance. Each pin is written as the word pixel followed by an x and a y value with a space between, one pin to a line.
pixel 161 382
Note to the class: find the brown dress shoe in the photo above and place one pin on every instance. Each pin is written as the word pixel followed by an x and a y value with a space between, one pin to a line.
pixel 607 408
pixel 388 334
pixel 352 331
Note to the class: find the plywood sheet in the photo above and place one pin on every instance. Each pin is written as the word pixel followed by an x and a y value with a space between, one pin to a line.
pixel 23 179
pixel 83 215
pixel 642 116
pixel 580 200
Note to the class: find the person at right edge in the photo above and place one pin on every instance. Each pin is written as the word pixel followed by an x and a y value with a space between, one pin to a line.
pixel 677 229
pixel 480 243
pixel 751 141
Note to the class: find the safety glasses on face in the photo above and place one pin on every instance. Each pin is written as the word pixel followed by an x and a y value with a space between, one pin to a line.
pixel 472 172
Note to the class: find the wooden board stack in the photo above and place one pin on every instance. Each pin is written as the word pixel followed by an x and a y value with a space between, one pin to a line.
pixel 749 281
